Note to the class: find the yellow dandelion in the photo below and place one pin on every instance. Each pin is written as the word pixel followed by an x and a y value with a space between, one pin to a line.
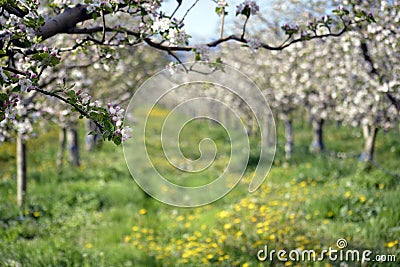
pixel 142 211
pixel 350 212
pixel 392 244
pixel 272 237
pixel 245 264
pixel 127 238
pixel 381 186
pixel 237 207
pixel 347 194
pixel 303 184
pixel 239 233
pixel 362 199
pixel 263 209
pixel 36 214
pixel 223 214
pixel 330 214
pixel 236 221
pixel 135 228
pixel 288 263
pixel 210 256
pixel 89 245
pixel 187 225
pixel 227 226
pixel 198 234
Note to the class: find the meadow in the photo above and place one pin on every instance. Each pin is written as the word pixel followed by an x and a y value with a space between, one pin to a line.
pixel 96 215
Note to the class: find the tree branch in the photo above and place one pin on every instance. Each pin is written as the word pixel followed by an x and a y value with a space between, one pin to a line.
pixel 374 71
pixel 64 21
pixel 81 111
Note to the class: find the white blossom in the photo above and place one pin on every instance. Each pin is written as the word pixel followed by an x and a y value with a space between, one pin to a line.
pixel 161 25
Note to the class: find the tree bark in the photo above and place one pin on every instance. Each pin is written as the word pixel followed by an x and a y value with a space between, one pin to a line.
pixel 289 140
pixel 317 144
pixel 21 171
pixel 64 21
pixel 61 147
pixel 73 146
pixel 370 133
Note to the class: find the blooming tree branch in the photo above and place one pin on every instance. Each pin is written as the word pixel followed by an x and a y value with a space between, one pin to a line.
pixel 97 26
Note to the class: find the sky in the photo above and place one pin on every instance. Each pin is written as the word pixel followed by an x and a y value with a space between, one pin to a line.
pixel 202 23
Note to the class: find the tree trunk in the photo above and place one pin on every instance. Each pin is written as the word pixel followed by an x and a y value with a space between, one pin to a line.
pixel 73 146
pixel 61 147
pixel 289 141
pixel 370 134
pixel 91 140
pixel 317 144
pixel 21 171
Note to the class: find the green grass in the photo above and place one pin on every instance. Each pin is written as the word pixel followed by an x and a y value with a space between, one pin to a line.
pixel 96 215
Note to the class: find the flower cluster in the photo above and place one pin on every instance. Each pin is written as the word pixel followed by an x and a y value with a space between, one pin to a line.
pixel 109 120
pixel 117 114
pixel 149 6
pixel 178 36
pixel 18 118
pixel 171 30
pixel 290 28
pixel 247 8
pixel 161 25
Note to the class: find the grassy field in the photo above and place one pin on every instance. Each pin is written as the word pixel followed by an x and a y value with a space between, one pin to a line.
pixel 96 215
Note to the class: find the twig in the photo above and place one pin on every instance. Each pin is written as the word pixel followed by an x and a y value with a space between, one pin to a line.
pixel 244 28
pixel 187 11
